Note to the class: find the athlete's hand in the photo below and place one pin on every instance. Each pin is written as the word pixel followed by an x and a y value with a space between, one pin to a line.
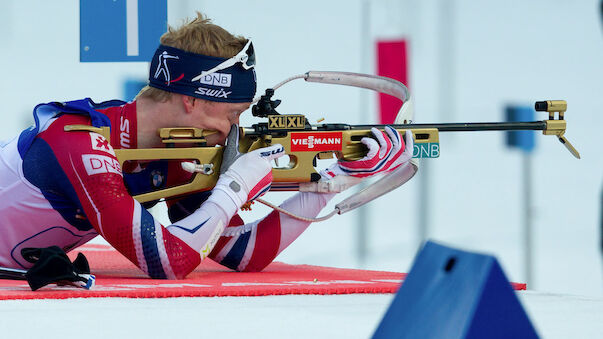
pixel 386 152
pixel 245 177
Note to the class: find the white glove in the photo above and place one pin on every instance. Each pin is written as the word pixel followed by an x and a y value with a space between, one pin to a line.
pixel 384 155
pixel 244 177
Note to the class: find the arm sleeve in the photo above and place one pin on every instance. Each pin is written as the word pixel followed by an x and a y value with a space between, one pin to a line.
pixel 251 247
pixel 247 247
pixel 161 252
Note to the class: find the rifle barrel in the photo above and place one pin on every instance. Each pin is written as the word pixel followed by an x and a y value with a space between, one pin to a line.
pixel 262 128
pixel 468 126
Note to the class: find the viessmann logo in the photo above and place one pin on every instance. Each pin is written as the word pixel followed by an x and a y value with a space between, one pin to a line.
pixel 310 142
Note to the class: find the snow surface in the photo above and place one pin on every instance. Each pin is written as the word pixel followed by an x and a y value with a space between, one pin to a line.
pixel 293 316
pixel 475 191
pixel 500 52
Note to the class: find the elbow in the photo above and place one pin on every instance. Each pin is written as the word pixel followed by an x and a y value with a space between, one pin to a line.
pixel 254 267
pixel 176 276
pixel 176 271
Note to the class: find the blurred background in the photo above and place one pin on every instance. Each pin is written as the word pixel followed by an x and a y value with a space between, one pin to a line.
pixel 466 61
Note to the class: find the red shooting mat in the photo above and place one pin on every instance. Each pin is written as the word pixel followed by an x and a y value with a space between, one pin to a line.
pixel 117 277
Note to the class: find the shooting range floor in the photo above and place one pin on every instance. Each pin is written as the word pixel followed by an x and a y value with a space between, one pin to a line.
pixel 117 277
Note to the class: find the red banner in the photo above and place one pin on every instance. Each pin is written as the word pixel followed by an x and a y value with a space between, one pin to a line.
pixel 392 62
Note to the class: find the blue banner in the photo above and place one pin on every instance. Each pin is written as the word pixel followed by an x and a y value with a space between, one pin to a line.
pixel 121 30
pixel 524 140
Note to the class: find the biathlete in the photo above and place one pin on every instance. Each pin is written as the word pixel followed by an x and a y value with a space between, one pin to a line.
pixel 64 188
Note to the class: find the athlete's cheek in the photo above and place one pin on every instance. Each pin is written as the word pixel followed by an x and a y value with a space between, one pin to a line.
pixel 216 139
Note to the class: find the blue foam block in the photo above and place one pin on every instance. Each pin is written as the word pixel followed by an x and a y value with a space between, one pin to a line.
pixel 455 294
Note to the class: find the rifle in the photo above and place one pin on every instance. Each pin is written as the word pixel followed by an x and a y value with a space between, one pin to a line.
pixel 304 143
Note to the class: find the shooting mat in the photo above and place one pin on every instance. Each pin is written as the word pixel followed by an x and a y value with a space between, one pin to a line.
pixel 117 277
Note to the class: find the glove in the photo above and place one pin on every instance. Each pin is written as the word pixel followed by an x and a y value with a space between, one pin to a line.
pixel 51 265
pixel 385 154
pixel 244 177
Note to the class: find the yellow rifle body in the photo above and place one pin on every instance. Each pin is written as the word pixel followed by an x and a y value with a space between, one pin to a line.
pixel 303 144
pixel 299 169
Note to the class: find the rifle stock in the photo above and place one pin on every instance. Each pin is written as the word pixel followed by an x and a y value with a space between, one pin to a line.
pixel 302 148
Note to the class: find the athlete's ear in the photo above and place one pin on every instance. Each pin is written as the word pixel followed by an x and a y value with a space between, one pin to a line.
pixel 189 103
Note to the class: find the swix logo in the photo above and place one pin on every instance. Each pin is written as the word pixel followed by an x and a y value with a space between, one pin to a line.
pixel 275 151
pixel 162 68
pixel 319 141
pixel 217 79
pixel 99 143
pixel 124 135
pixel 97 164
pixel 213 239
pixel 218 93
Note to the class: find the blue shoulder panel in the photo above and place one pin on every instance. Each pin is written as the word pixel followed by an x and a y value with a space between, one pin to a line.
pixel 44 112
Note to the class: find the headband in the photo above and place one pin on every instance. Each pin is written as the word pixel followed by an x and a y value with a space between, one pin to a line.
pixel 173 70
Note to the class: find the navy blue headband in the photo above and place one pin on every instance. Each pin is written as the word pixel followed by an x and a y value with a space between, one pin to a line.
pixel 172 70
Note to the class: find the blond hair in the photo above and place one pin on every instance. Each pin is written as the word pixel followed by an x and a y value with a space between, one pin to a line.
pixel 198 36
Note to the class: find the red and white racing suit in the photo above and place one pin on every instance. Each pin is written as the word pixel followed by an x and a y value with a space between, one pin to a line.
pixel 66 187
